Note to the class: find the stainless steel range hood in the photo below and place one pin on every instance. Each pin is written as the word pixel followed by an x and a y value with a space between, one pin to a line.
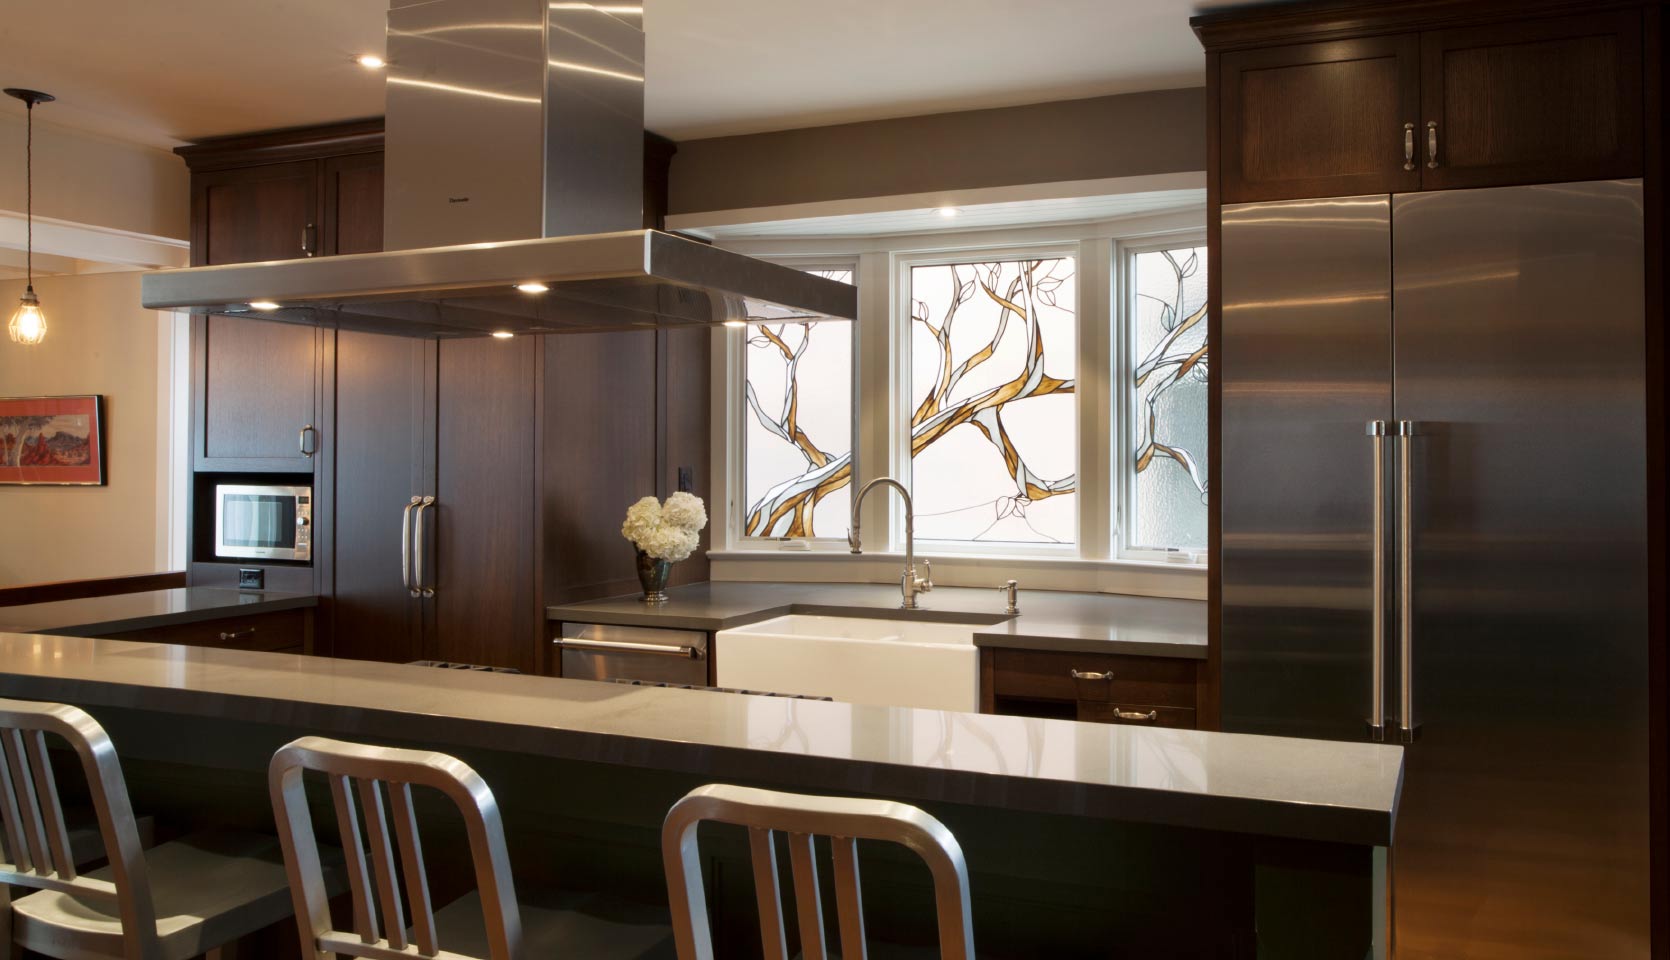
pixel 514 156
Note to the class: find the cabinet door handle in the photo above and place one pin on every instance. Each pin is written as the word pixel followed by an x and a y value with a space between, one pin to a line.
pixel 406 546
pixel 1091 674
pixel 1432 144
pixel 417 574
pixel 307 441
pixel 237 634
pixel 1149 717
pixel 1408 146
pixel 308 234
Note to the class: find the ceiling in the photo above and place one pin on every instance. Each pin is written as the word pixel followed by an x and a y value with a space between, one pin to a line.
pixel 162 73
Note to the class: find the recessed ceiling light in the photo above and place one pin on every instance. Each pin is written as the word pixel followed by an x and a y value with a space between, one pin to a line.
pixel 736 323
pixel 502 334
pixel 263 305
pixel 371 61
pixel 532 287
pixel 947 212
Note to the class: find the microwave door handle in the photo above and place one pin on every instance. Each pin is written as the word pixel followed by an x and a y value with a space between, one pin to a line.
pixel 422 548
pixel 406 546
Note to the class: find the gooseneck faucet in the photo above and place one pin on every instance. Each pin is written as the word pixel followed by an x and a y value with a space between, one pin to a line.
pixel 910 585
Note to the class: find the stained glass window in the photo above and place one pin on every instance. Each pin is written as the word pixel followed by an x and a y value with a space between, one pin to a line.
pixel 1169 378
pixel 797 453
pixel 994 424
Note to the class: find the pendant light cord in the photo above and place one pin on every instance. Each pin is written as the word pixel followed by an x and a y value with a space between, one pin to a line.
pixel 29 196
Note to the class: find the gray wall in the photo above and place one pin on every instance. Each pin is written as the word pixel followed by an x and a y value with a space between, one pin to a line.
pixel 1162 131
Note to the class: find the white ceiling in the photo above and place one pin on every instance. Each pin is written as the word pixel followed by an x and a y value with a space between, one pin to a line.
pixel 165 71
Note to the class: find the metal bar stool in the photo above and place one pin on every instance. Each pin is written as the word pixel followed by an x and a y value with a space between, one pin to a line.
pixel 178 900
pixel 488 923
pixel 845 821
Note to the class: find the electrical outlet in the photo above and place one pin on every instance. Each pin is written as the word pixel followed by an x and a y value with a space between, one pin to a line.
pixel 686 479
pixel 251 578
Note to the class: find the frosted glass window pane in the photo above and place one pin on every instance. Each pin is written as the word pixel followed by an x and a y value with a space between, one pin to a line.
pixel 994 423
pixel 797 441
pixel 1169 402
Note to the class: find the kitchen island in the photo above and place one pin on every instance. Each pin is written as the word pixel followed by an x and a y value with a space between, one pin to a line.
pixel 1177 842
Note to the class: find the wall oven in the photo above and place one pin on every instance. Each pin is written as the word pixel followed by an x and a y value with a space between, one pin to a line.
pixel 264 522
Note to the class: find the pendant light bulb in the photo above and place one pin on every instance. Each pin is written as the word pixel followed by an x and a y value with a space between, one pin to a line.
pixel 28 324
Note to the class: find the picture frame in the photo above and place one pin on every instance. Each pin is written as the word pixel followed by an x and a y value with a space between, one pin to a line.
pixel 52 441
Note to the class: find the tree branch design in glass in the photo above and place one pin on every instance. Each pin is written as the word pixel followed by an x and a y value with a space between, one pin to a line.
pixel 797 445
pixel 1170 384
pixel 994 427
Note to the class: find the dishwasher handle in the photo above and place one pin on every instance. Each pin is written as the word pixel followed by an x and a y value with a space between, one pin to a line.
pixel 621 646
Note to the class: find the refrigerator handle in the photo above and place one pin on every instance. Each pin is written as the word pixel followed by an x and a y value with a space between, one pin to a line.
pixel 1377 658
pixel 406 546
pixel 1408 728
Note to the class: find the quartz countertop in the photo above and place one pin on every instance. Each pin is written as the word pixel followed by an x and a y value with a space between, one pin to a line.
pixel 1049 619
pixel 1272 786
pixel 119 613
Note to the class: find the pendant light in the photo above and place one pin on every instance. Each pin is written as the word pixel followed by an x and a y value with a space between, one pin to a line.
pixel 28 325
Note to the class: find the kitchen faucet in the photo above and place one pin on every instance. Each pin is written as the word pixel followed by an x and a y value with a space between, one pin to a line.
pixel 909 583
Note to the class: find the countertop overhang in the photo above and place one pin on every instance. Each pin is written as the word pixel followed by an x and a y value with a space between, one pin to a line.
pixel 119 613
pixel 1270 786
pixel 1048 619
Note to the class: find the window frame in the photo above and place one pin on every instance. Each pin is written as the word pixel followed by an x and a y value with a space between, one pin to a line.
pixel 1125 252
pixel 735 349
pixel 1100 560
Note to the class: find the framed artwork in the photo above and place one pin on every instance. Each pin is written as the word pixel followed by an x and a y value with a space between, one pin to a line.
pixel 52 440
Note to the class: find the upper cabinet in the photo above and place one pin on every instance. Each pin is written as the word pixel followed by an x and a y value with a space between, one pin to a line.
pixel 269 212
pixel 1540 101
pixel 1320 119
pixel 1430 106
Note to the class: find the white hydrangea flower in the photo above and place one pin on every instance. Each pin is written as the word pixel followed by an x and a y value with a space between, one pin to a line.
pixel 642 519
pixel 685 510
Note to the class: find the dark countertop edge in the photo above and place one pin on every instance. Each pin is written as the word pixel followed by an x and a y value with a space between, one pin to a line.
pixel 1248 815
pixel 669 621
pixel 1058 643
pixel 199 615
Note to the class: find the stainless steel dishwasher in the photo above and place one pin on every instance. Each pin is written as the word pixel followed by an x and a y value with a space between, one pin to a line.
pixel 596 651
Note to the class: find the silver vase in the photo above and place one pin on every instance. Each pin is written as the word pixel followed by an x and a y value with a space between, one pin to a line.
pixel 652 576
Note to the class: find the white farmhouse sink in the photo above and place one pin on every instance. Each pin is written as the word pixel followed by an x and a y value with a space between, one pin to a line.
pixel 896 663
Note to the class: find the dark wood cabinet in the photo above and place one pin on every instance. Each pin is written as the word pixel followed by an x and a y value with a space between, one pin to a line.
pixel 256 394
pixel 1321 119
pixel 1094 687
pixel 353 204
pixel 283 631
pixel 1435 95
pixel 1540 101
pixel 268 212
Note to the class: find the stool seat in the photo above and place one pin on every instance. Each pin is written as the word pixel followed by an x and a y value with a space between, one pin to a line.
pixel 208 888
pixel 564 925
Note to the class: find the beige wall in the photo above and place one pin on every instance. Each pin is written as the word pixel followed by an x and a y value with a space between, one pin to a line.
pixel 99 340
pixel 1135 134
pixel 94 180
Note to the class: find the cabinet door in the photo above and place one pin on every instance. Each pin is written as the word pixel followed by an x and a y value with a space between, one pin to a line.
pixel 250 214
pixel 483 529
pixel 257 397
pixel 384 455
pixel 353 204
pixel 1542 101
pixel 1320 119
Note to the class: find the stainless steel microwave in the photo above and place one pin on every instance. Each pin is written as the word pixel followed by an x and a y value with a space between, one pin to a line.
pixel 264 522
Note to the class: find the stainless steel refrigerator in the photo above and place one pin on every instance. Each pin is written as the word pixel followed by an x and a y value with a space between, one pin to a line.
pixel 1433 526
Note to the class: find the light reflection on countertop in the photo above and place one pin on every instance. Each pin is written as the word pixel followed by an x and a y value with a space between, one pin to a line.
pixel 1282 786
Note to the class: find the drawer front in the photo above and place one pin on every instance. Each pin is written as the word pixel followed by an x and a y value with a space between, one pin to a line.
pixel 1098 678
pixel 284 631
pixel 1145 715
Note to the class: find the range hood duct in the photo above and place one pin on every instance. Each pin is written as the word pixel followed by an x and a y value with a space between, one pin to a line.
pixel 513 155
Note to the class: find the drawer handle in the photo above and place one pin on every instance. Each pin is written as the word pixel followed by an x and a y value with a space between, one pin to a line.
pixel 237 634
pixel 1150 716
pixel 1090 675
pixel 621 646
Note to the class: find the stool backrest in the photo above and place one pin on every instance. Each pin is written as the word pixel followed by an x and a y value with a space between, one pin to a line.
pixel 371 773
pixel 37 843
pixel 844 821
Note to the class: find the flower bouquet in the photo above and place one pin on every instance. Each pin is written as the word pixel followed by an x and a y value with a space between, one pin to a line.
pixel 664 534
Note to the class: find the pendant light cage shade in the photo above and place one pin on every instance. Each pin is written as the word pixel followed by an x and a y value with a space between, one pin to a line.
pixel 28 323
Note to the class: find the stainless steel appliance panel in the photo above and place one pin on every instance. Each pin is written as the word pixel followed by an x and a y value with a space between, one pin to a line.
pixel 595 651
pixel 268 522
pixel 1519 361
pixel 1306 358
